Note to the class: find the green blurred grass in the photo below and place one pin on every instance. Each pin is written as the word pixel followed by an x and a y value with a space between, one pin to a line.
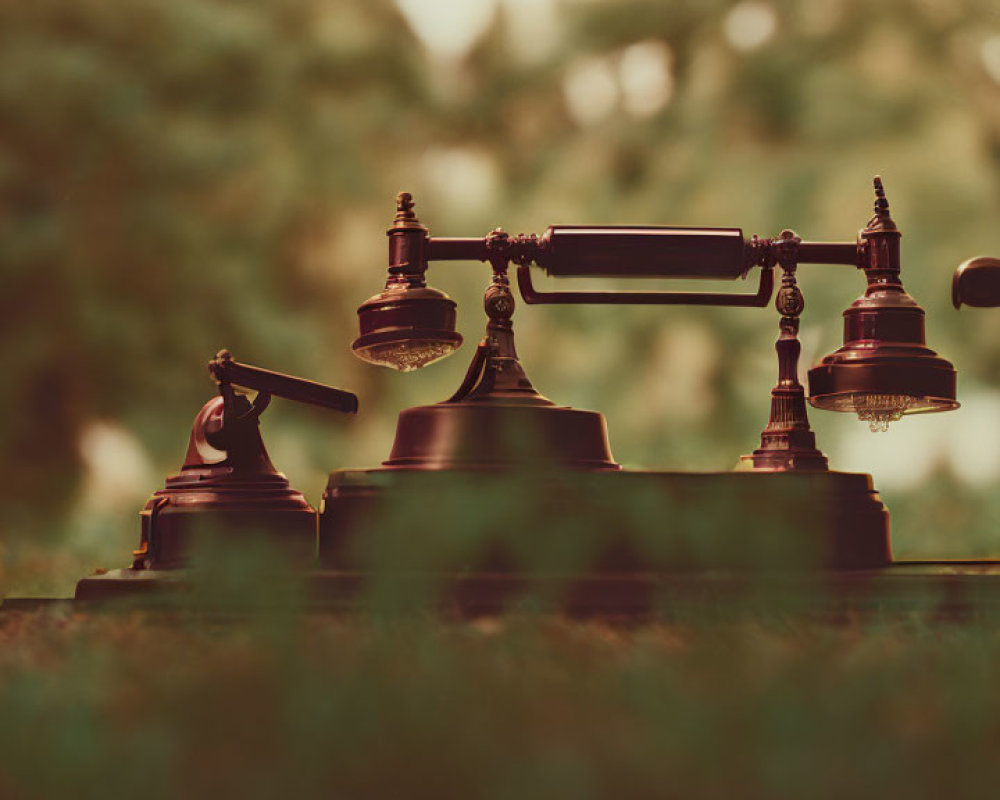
pixel 237 690
pixel 302 706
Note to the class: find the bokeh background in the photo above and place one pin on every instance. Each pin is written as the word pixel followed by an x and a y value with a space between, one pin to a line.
pixel 180 177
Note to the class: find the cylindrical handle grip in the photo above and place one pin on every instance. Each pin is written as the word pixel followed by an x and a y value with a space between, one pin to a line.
pixel 977 283
pixel 225 370
pixel 639 252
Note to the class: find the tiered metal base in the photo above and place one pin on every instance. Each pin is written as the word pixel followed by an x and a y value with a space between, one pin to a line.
pixel 601 543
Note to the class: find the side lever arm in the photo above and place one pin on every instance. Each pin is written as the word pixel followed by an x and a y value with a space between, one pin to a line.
pixel 228 372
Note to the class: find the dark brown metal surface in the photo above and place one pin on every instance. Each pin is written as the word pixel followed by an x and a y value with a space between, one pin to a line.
pixel 227 371
pixel 788 443
pixel 402 322
pixel 944 591
pixel 408 324
pixel 496 420
pixel 669 252
pixel 490 436
pixel 977 283
pixel 884 351
pixel 227 486
pixel 643 521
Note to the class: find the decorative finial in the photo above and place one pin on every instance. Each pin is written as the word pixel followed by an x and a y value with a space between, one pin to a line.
pixel 404 207
pixel 882 220
pixel 881 204
pixel 405 216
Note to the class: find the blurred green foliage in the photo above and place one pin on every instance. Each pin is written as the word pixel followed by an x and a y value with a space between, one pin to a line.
pixel 203 707
pixel 178 177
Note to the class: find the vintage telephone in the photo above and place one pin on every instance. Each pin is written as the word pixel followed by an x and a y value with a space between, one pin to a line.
pixel 883 370
pixel 496 424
